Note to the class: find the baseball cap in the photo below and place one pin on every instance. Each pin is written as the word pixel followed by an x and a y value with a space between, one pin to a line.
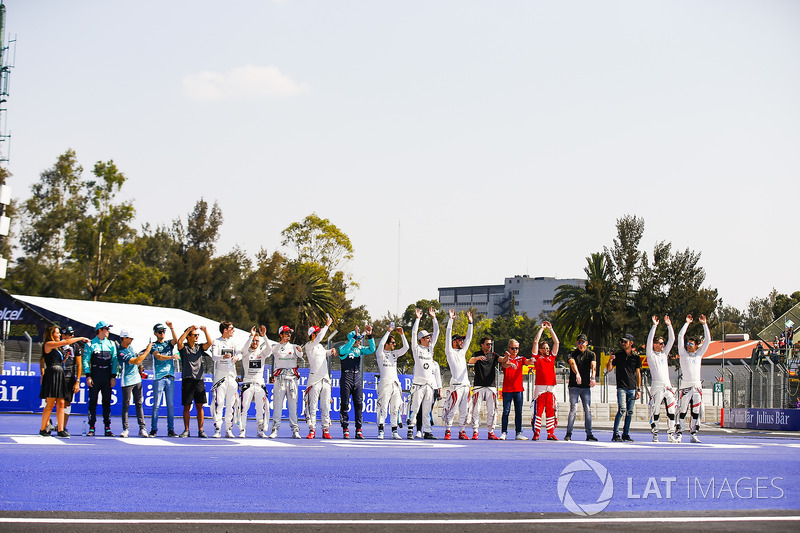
pixel 285 329
pixel 102 324
pixel 313 329
pixel 125 333
pixel 422 334
pixel 628 337
pixel 159 327
pixel 457 337
pixel 67 330
pixel 583 337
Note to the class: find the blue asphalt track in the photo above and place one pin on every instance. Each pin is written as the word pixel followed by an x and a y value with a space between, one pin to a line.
pixel 252 475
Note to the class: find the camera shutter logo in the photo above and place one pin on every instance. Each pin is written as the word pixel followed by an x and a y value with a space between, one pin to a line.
pixel 585 509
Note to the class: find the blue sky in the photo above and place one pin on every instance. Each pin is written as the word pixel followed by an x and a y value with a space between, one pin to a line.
pixel 501 138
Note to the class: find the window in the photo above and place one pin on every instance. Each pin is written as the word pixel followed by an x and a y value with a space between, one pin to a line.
pixel 547 302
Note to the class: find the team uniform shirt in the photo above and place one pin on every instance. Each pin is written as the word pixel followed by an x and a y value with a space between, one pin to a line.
pixel 318 358
pixel 100 357
pixel 192 361
pixel 255 361
pixel 583 360
pixel 659 361
pixel 690 362
pixel 456 359
pixel 545 367
pixel 423 357
pixel 286 355
pixel 224 367
pixel 387 359
pixel 485 370
pixel 512 375
pixel 350 353
pixel 69 361
pixel 162 369
pixel 130 372
pixel 626 365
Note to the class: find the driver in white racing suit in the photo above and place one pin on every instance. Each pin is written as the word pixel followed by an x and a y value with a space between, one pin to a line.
pixel 286 378
pixel 458 395
pixel 691 393
pixel 389 389
pixel 319 381
pixel 254 361
pixel 661 389
pixel 424 381
pixel 225 354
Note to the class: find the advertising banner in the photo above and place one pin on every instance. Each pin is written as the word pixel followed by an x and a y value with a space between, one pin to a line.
pixel 773 419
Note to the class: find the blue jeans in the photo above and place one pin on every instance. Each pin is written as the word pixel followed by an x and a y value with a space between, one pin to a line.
pixel 516 397
pixel 625 400
pixel 585 394
pixel 167 385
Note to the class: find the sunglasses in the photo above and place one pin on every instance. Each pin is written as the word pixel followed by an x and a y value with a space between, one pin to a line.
pixel 515 348
pixel 192 335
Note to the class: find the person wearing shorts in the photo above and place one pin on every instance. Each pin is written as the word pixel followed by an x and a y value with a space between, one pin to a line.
pixel 193 388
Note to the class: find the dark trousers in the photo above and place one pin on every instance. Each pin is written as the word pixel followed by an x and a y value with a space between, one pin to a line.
pixel 351 385
pixel 136 391
pixel 100 383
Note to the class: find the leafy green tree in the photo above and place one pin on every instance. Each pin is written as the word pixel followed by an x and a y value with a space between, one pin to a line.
pixel 589 309
pixel 102 241
pixel 672 284
pixel 318 240
pixel 57 202
pixel 727 316
pixel 759 314
pixel 624 260
pixel 783 303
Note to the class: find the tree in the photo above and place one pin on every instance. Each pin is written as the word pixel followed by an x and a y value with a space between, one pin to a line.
pixel 318 240
pixel 589 309
pixel 102 242
pixel 624 261
pixel 783 303
pixel 57 202
pixel 758 314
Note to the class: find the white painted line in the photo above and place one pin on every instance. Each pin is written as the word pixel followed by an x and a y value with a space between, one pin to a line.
pixel 261 443
pixel 36 439
pixel 501 521
pixel 139 441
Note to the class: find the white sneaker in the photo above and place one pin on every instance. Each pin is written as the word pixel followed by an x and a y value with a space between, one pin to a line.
pixel 695 438
pixel 396 436
pixel 503 436
pixel 677 439
pixel 380 435
pixel 419 434
pixel 143 433
pixel 217 434
pixel 229 434
pixel 520 436
pixel 655 437
pixel 295 434
pixel 241 434
pixel 273 434
pixel 261 434
pixel 124 433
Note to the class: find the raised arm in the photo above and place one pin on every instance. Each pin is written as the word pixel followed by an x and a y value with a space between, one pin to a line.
pixel 435 337
pixel 681 334
pixel 468 340
pixel 556 343
pixel 706 337
pixel 670 335
pixel 648 347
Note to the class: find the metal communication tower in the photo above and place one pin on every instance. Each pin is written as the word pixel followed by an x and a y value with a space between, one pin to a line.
pixel 6 64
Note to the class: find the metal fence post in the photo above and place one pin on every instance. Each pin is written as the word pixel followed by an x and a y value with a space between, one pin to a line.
pixel 30 350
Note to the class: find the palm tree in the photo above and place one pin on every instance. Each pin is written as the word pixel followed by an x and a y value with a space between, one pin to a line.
pixel 589 309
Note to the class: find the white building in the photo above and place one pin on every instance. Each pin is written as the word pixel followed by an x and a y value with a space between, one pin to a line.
pixel 532 296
